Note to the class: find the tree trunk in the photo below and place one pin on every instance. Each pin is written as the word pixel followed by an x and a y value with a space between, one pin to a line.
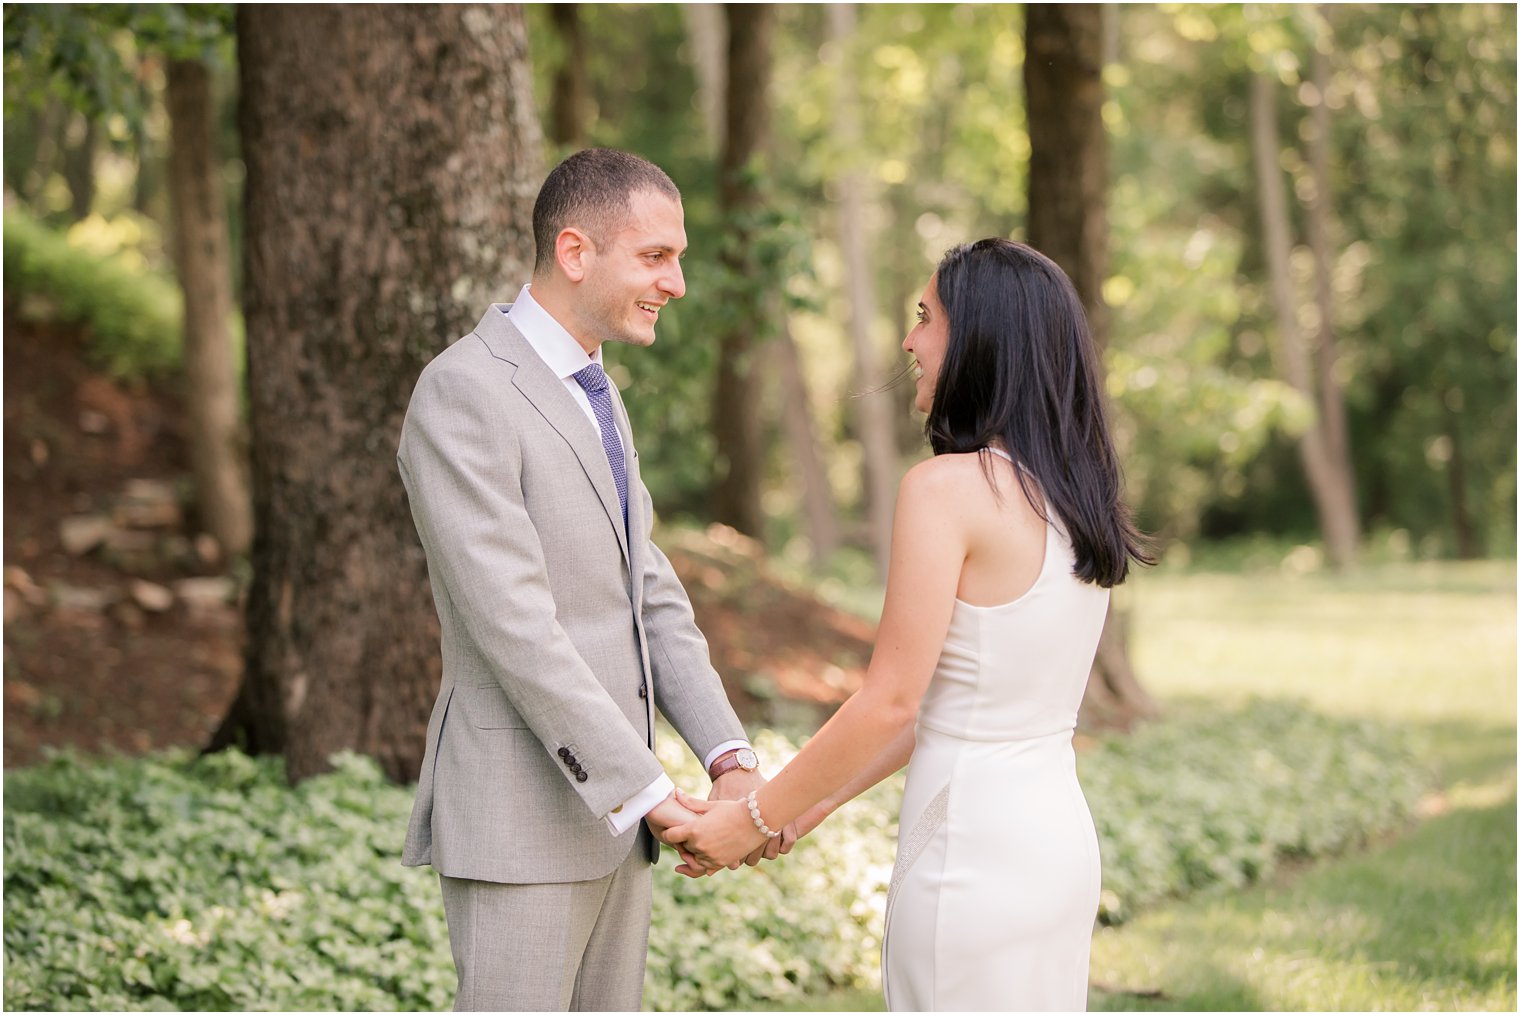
pixel 1068 147
pixel 1469 547
pixel 1332 404
pixel 1068 222
pixel 145 181
pixel 31 146
pixel 802 435
pixel 736 401
pixel 79 170
pixel 706 35
pixel 212 399
pixel 1332 487
pixel 572 95
pixel 873 407
pixel 392 160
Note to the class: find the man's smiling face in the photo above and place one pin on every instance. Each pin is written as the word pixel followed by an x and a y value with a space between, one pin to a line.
pixel 633 271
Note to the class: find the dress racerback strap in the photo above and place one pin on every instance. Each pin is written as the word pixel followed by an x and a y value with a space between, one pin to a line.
pixel 1000 453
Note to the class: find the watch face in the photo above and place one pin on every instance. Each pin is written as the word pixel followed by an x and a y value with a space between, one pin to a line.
pixel 747 760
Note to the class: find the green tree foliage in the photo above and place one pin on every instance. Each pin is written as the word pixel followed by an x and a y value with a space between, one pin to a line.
pixel 96 60
pixel 1427 144
pixel 89 54
pixel 1423 196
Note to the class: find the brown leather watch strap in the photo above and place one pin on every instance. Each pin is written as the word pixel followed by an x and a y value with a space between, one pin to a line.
pixel 724 763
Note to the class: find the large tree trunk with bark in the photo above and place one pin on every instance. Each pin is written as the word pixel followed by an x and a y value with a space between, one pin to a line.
pixel 212 398
pixel 736 395
pixel 392 162
pixel 1068 147
pixel 1068 222
pixel 874 424
pixel 1331 483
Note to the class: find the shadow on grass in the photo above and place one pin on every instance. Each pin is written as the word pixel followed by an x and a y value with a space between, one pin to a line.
pixel 1468 752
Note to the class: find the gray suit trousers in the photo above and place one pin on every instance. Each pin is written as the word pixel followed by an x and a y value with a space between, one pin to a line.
pixel 578 946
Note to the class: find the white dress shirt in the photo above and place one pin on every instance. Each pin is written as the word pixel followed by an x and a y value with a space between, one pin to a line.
pixel 563 354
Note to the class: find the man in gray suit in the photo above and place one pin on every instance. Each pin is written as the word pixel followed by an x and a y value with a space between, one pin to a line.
pixel 562 625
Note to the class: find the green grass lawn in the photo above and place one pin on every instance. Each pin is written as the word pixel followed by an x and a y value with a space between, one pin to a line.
pixel 1424 922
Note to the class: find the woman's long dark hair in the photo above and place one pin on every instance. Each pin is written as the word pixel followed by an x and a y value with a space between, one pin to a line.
pixel 1021 367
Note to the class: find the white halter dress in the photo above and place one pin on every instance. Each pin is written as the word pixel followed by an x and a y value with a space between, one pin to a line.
pixel 996 885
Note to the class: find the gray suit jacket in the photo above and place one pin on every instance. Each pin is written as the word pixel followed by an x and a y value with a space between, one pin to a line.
pixel 560 631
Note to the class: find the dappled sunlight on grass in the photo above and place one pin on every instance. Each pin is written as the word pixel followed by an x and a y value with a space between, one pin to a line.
pixel 1426 923
pixel 1413 642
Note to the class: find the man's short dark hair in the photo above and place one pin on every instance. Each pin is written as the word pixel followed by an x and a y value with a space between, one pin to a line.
pixel 591 190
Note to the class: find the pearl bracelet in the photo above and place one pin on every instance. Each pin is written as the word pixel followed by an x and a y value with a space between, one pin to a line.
pixel 754 814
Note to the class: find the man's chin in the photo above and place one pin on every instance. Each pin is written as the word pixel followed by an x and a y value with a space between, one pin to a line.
pixel 635 338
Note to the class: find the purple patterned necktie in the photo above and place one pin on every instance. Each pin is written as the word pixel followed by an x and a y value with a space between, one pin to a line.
pixel 594 382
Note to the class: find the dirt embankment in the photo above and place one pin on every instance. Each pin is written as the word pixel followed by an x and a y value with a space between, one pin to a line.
pixel 122 630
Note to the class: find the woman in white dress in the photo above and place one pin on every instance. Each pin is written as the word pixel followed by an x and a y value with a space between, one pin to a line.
pixel 1004 547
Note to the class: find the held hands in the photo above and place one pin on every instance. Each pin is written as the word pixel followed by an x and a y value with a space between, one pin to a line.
pixel 723 835
pixel 667 814
pixel 736 785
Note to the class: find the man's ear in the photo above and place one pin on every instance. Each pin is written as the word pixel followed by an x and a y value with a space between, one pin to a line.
pixel 572 249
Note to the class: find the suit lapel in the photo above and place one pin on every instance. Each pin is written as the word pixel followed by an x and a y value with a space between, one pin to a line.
pixel 547 394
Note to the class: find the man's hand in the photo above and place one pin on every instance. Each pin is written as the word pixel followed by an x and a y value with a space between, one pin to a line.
pixel 736 785
pixel 666 815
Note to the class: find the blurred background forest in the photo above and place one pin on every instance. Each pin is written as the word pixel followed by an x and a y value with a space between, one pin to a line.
pixel 234 236
pixel 900 130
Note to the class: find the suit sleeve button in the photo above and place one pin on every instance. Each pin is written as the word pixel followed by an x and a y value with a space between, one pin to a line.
pixel 581 776
pixel 564 752
pixel 576 768
pixel 643 690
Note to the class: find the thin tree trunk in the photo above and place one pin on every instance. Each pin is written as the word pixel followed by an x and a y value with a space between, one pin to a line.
pixel 1332 490
pixel 79 170
pixel 873 407
pixel 1068 222
pixel 736 403
pixel 1469 547
pixel 212 399
pixel 31 145
pixel 802 436
pixel 1332 404
pixel 572 94
pixel 705 34
pixel 392 160
pixel 146 180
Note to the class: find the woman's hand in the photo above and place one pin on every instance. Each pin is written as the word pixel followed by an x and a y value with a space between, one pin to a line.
pixel 810 819
pixel 722 836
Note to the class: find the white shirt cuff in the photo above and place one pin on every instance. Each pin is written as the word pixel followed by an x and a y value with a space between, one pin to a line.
pixel 631 811
pixel 727 745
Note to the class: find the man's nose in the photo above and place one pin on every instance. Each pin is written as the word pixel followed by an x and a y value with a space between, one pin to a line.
pixel 674 283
